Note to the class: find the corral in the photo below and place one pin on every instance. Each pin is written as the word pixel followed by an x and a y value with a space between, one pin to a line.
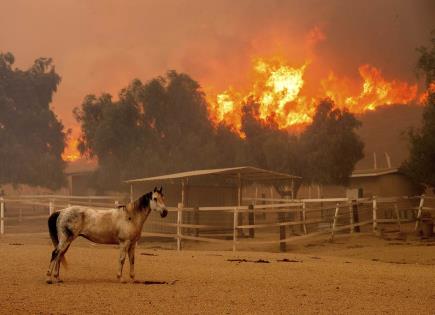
pixel 329 265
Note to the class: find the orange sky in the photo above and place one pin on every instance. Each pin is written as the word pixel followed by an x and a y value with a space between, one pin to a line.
pixel 100 45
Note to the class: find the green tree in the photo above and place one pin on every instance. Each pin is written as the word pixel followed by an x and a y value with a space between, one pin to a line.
pixel 158 127
pixel 267 146
pixel 32 138
pixel 420 165
pixel 330 147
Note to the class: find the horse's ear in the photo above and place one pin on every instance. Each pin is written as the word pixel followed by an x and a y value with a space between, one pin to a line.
pixel 155 188
pixel 161 190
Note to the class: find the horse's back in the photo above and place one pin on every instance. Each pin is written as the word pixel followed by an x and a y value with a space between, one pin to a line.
pixel 99 226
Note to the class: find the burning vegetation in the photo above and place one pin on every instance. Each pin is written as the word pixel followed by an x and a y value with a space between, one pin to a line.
pixel 278 90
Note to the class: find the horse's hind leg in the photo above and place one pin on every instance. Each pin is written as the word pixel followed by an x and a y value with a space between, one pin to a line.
pixel 123 248
pixel 61 259
pixel 131 259
pixel 62 248
pixel 51 265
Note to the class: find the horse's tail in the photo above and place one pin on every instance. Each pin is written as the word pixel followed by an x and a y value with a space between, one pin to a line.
pixel 52 228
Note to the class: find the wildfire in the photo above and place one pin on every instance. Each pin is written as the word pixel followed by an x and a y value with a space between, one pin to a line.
pixel 71 153
pixel 431 90
pixel 278 90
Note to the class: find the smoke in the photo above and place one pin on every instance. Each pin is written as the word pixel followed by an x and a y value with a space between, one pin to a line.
pixel 101 45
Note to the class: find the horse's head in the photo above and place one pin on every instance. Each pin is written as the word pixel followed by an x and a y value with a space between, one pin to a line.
pixel 157 202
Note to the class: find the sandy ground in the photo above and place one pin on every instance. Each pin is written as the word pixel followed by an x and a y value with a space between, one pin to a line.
pixel 356 274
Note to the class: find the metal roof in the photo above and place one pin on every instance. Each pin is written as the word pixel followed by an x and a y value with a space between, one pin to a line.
pixel 246 173
pixel 374 172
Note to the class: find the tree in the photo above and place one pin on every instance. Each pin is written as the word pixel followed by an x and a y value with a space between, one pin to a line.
pixel 158 127
pixel 32 138
pixel 267 146
pixel 330 147
pixel 420 165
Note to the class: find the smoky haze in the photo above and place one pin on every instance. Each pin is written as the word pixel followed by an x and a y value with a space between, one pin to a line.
pixel 102 45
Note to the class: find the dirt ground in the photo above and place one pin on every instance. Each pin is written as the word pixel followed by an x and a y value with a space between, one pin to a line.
pixel 355 274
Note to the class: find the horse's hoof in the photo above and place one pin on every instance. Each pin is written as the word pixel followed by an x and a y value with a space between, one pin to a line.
pixel 49 281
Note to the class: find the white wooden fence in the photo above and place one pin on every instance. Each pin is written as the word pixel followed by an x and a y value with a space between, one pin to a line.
pixel 313 217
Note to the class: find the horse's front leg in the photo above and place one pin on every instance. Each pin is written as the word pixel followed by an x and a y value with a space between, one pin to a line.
pixel 131 259
pixel 123 248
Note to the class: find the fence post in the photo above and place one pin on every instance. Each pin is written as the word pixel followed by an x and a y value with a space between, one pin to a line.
pixel 304 217
pixel 282 233
pixel 179 216
pixel 2 216
pixel 375 213
pixel 196 220
pixel 337 208
pixel 50 207
pixel 396 210
pixel 235 222
pixel 251 220
pixel 352 227
pixel 420 209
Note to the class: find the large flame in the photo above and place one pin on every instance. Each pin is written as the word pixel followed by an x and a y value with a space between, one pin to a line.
pixel 71 153
pixel 278 90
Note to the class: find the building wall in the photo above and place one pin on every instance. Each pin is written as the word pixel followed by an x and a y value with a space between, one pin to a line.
pixel 195 195
pixel 388 185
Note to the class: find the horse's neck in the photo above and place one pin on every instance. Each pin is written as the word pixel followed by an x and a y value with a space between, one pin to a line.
pixel 144 215
pixel 140 216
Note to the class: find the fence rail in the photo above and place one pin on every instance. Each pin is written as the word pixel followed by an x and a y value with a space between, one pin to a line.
pixel 314 217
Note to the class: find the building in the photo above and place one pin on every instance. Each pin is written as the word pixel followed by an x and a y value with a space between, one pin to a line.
pixel 386 182
pixel 213 187
pixel 224 187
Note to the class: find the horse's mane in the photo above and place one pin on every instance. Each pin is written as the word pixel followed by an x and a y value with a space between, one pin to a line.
pixel 142 202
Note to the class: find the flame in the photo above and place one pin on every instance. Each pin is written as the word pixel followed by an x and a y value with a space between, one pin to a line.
pixel 375 91
pixel 425 96
pixel 278 89
pixel 71 153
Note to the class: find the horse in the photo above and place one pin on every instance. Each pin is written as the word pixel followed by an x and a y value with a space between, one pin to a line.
pixel 122 225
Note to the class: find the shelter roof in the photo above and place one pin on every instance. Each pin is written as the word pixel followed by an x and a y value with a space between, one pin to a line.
pixel 246 173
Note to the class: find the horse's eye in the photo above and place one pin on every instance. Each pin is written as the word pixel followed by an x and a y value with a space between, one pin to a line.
pixel 155 199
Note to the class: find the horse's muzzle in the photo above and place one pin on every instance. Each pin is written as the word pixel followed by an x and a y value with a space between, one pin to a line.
pixel 164 213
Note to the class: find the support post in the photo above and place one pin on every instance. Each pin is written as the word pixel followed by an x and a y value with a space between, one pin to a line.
pixel 282 234
pixel 131 192
pixel 375 213
pixel 2 216
pixel 337 208
pixel 196 220
pixel 256 193
pixel 304 216
pixel 420 209
pixel 50 207
pixel 179 215
pixel 396 210
pixel 352 227
pixel 355 214
pixel 235 222
pixel 239 204
pixel 251 220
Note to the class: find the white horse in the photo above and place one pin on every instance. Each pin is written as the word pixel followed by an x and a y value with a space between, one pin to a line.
pixel 121 226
